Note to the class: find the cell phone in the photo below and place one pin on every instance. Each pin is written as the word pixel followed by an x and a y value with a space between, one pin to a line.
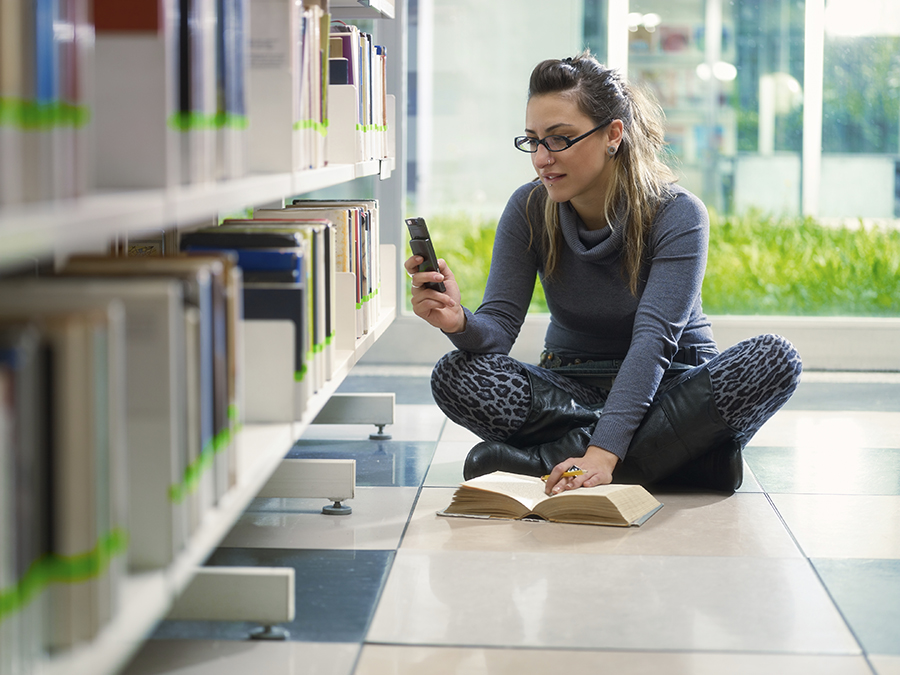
pixel 420 243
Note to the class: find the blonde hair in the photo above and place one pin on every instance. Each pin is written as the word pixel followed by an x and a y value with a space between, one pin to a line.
pixel 639 180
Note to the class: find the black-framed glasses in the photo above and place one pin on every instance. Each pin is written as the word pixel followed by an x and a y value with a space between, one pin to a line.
pixel 552 143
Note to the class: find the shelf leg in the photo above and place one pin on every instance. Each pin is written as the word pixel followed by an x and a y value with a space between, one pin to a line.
pixel 375 408
pixel 331 479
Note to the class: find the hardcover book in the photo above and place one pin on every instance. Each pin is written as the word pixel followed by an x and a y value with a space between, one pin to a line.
pixel 516 497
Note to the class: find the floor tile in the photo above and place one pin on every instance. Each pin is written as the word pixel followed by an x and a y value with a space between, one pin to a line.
pixel 688 525
pixel 411 423
pixel 446 468
pixel 829 430
pixel 201 657
pixel 509 599
pixel 840 394
pixel 407 388
pixel 454 432
pixel 826 470
pixel 378 463
pixel 377 522
pixel 843 526
pixel 885 665
pixel 336 593
pixel 395 660
pixel 867 592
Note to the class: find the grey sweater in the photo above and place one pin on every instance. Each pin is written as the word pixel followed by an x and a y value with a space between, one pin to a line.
pixel 593 313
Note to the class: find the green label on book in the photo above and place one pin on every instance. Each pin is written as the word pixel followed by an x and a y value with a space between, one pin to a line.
pixel 35 116
pixel 320 127
pixel 193 473
pixel 62 569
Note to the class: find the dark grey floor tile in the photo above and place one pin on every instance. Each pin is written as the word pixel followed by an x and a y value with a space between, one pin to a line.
pixel 336 594
pixel 876 397
pixel 378 463
pixel 408 389
pixel 867 593
pixel 876 471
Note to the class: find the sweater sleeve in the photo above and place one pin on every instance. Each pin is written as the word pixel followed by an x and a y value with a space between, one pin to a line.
pixel 679 241
pixel 495 325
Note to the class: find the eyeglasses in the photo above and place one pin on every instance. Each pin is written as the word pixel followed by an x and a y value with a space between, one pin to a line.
pixel 552 143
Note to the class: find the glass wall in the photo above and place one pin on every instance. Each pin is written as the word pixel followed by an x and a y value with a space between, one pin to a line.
pixel 781 114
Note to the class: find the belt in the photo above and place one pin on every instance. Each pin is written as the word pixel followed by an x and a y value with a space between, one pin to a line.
pixel 689 356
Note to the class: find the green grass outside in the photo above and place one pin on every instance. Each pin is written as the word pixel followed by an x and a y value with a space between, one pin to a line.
pixel 758 264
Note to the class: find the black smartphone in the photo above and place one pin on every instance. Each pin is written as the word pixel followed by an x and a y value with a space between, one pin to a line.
pixel 420 243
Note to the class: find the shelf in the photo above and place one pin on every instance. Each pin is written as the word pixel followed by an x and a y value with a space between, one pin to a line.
pixel 148 597
pixel 32 231
pixel 362 9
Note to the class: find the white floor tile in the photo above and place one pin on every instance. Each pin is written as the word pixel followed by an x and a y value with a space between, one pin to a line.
pixel 885 665
pixel 379 516
pixel 454 432
pixel 843 526
pixel 447 464
pixel 190 657
pixel 510 599
pixel 829 429
pixel 687 525
pixel 395 660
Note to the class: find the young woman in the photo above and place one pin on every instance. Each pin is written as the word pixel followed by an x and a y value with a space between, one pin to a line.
pixel 631 386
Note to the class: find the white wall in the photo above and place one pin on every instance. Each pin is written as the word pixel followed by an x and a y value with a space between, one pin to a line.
pixel 824 343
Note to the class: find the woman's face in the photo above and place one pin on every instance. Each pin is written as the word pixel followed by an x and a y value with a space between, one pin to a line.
pixel 579 173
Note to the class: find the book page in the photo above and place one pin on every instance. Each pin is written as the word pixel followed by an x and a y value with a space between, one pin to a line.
pixel 527 490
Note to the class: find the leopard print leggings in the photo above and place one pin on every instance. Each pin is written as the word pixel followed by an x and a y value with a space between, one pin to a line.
pixel 490 394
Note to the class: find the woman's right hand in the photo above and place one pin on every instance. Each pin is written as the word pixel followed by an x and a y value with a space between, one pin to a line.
pixel 441 310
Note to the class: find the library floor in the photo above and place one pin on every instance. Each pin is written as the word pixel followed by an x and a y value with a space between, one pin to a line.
pixel 798 572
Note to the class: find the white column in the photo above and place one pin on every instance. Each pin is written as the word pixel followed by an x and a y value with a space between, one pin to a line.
pixel 617 35
pixel 813 73
pixel 425 104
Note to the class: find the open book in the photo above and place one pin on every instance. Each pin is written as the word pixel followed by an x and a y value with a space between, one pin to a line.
pixel 508 495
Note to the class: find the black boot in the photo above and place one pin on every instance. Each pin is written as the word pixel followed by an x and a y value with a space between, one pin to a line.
pixel 537 460
pixel 552 415
pixel 683 429
pixel 678 431
pixel 721 469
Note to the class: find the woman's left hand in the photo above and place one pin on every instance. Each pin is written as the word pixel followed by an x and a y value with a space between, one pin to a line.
pixel 598 465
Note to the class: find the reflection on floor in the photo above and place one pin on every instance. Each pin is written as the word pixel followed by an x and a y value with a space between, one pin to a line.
pixel 799 572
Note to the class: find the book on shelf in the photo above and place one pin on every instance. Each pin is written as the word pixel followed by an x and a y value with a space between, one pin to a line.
pixel 45 99
pixel 155 395
pixel 208 464
pixel 135 115
pixel 360 254
pixel 70 511
pixel 232 45
pixel 321 266
pixel 287 86
pixel 25 522
pixel 358 108
pixel 277 261
pixel 513 496
pixel 186 116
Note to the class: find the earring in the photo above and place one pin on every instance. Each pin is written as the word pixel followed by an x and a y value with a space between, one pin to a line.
pixel 611 150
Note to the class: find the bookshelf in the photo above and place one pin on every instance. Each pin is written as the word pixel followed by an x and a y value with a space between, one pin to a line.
pixel 49 230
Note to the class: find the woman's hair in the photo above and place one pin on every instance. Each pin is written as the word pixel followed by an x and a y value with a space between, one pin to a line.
pixel 639 179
